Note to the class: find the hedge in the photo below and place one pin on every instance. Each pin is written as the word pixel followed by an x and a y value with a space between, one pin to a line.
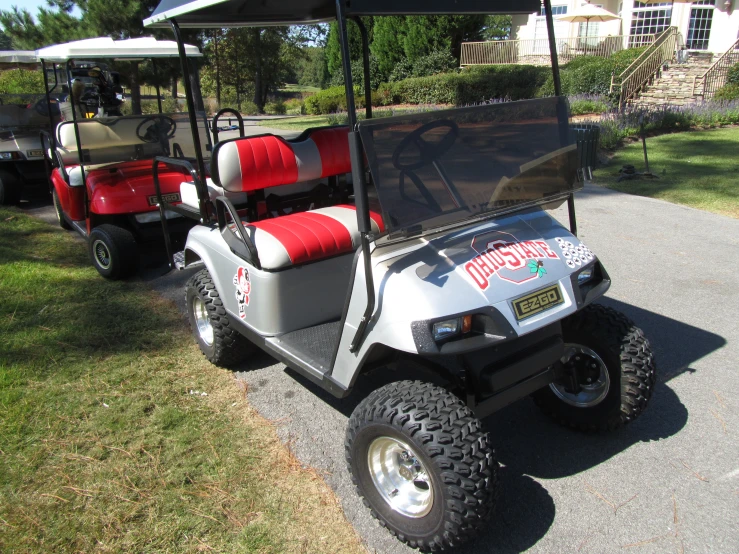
pixel 21 81
pixel 727 93
pixel 591 74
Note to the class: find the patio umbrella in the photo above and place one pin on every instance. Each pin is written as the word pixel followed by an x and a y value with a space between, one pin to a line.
pixel 586 14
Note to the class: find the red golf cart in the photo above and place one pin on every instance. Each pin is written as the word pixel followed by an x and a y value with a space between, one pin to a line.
pixel 101 176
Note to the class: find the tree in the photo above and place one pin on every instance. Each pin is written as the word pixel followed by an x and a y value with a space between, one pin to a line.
pixel 333 47
pixel 440 32
pixel 6 43
pixel 387 42
pixel 497 27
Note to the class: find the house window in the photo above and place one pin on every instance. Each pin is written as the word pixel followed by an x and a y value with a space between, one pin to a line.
pixel 648 20
pixel 556 10
pixel 699 28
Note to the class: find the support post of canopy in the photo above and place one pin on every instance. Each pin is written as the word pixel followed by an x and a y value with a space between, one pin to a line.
pixel 203 198
pixel 48 101
pixel 558 92
pixel 358 179
pixel 366 66
pixel 77 137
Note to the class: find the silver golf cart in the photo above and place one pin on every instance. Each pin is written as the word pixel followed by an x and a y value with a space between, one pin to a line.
pixel 429 249
pixel 22 118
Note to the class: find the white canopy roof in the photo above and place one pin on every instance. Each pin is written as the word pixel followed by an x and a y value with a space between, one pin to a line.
pixel 106 47
pixel 18 56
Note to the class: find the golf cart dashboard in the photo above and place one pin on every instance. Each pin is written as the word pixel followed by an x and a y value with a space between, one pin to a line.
pixel 435 169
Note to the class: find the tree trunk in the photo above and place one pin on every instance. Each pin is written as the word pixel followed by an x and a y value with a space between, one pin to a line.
pixel 174 87
pixel 258 93
pixel 218 69
pixel 135 88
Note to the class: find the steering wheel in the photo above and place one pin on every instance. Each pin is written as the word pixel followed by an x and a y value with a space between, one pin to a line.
pixel 163 128
pixel 428 152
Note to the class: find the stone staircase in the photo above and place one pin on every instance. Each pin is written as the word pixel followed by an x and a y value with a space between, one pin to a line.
pixel 674 85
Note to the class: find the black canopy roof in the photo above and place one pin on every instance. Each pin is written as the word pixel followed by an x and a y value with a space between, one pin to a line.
pixel 230 13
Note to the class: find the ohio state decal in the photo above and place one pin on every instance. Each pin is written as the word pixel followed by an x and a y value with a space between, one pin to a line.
pixel 504 256
pixel 243 290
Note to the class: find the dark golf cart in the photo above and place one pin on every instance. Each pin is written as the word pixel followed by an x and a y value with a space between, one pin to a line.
pixel 422 243
pixel 100 162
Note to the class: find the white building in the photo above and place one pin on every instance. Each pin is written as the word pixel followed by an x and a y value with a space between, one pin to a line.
pixel 706 25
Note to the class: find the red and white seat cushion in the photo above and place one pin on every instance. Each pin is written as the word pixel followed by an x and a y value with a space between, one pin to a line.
pixel 255 163
pixel 307 236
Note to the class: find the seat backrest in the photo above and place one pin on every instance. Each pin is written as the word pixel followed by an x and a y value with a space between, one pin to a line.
pixel 254 163
pixel 108 143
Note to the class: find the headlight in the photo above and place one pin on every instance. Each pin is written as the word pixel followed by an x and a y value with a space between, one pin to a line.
pixel 584 276
pixel 445 329
pixel 6 155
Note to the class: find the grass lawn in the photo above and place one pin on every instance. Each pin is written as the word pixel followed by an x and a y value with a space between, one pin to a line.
pixel 299 123
pixel 106 442
pixel 299 88
pixel 696 168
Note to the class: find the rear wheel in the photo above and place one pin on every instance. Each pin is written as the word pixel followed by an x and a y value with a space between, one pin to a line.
pixel 422 463
pixel 114 251
pixel 611 372
pixel 219 341
pixel 59 212
pixel 10 188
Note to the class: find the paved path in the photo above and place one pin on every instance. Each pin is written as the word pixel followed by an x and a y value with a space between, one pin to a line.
pixel 668 483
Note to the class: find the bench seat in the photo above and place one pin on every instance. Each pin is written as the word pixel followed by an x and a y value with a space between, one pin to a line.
pixel 306 237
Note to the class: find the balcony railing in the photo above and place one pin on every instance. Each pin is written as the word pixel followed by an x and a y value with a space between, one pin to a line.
pixel 715 77
pixel 536 51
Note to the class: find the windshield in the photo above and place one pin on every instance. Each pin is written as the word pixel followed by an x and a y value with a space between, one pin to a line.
pixel 137 137
pixel 436 168
pixel 26 112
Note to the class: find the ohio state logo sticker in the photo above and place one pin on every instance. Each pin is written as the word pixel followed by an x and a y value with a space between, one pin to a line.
pixel 243 290
pixel 503 255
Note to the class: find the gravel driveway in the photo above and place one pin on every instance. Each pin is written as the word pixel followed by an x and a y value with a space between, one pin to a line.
pixel 667 483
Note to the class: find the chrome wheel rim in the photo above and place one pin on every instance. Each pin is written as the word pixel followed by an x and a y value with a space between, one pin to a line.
pixel 102 254
pixel 202 321
pixel 400 477
pixel 596 383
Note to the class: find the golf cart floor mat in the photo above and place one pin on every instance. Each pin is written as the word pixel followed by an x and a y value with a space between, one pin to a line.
pixel 313 344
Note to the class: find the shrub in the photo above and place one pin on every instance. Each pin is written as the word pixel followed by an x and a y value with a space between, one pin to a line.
pixel 471 86
pixel 294 106
pixel 21 81
pixel 403 70
pixel 732 77
pixel 617 126
pixel 589 103
pixel 591 74
pixel 275 108
pixel 332 100
pixel 438 61
pixel 727 93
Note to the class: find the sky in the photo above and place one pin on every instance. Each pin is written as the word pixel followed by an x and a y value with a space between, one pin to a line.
pixel 33 5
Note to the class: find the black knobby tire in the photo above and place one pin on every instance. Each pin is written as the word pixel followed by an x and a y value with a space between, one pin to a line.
pixel 113 251
pixel 628 357
pixel 450 443
pixel 228 347
pixel 59 212
pixel 10 188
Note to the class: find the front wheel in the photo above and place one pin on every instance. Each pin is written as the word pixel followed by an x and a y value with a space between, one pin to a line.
pixel 610 368
pixel 219 341
pixel 10 188
pixel 113 251
pixel 422 463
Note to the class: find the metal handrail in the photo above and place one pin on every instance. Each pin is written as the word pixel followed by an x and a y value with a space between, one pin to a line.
pixel 536 51
pixel 715 76
pixel 647 65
